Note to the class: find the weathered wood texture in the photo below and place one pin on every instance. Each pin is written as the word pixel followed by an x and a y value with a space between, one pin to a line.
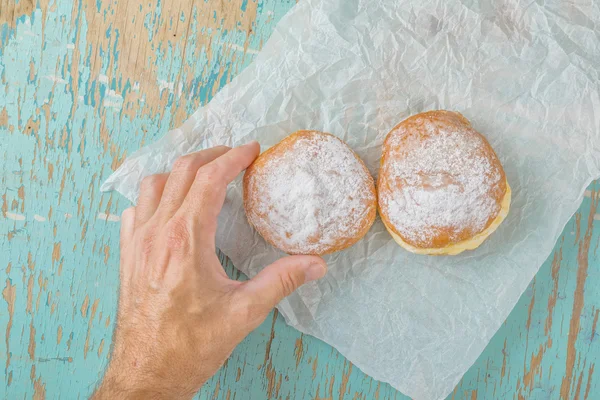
pixel 82 84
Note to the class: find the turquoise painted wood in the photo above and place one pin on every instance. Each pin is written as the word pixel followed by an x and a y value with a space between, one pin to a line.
pixel 84 83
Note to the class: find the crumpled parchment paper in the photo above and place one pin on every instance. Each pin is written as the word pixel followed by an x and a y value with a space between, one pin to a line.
pixel 527 76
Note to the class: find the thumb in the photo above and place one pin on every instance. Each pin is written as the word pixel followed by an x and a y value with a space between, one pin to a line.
pixel 281 278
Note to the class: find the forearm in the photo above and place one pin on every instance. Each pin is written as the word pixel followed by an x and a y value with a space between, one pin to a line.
pixel 117 385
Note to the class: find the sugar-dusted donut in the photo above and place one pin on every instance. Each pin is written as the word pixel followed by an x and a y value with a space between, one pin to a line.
pixel 441 188
pixel 310 194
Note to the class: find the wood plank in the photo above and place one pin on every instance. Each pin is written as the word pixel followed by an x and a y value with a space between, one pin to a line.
pixel 84 83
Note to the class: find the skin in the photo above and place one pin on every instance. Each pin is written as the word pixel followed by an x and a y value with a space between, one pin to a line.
pixel 179 315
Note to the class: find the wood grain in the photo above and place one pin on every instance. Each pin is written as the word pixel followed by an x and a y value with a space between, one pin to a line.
pixel 84 83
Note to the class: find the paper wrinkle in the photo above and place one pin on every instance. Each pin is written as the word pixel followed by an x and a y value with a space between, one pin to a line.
pixel 526 75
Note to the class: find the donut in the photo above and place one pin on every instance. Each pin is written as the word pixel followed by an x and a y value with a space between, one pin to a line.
pixel 310 194
pixel 441 188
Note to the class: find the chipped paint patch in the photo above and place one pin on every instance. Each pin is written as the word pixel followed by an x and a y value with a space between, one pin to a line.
pixel 55 79
pixel 108 217
pixel 9 295
pixel 32 342
pixel 244 50
pixel 15 217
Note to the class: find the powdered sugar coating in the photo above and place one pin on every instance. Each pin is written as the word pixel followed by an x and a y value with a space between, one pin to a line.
pixel 310 194
pixel 440 181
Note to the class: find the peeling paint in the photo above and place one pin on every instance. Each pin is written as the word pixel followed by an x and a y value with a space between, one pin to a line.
pixel 14 216
pixel 32 342
pixel 578 303
pixel 108 217
pixel 95 82
pixel 9 295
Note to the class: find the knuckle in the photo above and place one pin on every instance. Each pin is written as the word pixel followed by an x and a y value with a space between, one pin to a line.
pixel 149 183
pixel 288 283
pixel 178 234
pixel 128 213
pixel 183 164
pixel 223 147
pixel 209 174
pixel 147 243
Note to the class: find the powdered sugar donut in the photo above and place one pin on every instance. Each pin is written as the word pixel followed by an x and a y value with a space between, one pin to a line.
pixel 441 187
pixel 310 194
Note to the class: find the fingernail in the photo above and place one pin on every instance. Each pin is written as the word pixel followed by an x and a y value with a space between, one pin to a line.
pixel 315 271
pixel 251 143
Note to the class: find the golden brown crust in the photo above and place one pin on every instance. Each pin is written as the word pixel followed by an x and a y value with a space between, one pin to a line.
pixel 438 236
pixel 259 207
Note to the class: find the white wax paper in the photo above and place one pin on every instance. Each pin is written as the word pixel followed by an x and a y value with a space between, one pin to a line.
pixel 525 73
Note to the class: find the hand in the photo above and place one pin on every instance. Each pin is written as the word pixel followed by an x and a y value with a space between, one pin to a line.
pixel 179 315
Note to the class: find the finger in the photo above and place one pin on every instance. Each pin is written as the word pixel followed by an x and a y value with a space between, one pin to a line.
pixel 280 279
pixel 151 191
pixel 182 176
pixel 207 194
pixel 127 231
pixel 127 226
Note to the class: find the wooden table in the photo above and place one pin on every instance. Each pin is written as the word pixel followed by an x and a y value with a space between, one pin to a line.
pixel 82 85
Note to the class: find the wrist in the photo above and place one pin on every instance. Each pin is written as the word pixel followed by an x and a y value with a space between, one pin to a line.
pixel 124 383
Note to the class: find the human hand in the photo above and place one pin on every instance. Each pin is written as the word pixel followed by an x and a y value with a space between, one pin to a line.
pixel 179 315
